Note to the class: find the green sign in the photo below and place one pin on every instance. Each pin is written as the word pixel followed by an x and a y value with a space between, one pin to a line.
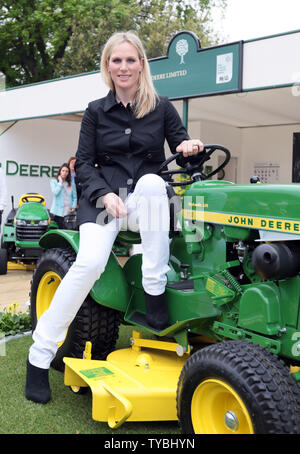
pixel 97 372
pixel 189 71
pixel 30 170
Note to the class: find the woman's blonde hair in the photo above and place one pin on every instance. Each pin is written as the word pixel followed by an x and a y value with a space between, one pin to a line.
pixel 146 96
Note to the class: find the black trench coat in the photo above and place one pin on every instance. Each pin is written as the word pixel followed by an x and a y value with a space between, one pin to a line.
pixel 115 149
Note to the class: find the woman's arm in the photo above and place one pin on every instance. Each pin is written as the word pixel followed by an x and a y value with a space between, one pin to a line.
pixel 56 187
pixel 73 196
pixel 89 177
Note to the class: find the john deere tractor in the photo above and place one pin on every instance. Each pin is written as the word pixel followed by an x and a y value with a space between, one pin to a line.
pixel 22 231
pixel 229 360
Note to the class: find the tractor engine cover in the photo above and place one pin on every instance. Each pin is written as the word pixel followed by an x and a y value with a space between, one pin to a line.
pixel 277 260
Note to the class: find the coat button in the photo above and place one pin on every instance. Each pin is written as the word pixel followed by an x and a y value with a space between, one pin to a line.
pixel 129 181
pixel 149 155
pixel 128 131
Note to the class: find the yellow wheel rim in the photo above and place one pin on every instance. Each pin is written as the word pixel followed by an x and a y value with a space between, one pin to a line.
pixel 75 389
pixel 46 289
pixel 217 409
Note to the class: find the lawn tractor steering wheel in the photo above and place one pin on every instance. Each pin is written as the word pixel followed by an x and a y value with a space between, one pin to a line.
pixel 194 165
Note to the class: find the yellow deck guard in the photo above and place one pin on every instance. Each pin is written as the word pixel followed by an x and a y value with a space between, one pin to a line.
pixel 133 384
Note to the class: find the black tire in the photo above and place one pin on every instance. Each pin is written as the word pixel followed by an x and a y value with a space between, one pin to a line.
pixel 93 322
pixel 3 261
pixel 4 244
pixel 269 394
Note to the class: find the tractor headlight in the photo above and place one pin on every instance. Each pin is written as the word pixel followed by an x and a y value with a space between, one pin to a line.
pixel 20 222
pixel 45 222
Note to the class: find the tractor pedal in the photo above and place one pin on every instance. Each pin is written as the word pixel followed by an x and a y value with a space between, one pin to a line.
pixel 186 285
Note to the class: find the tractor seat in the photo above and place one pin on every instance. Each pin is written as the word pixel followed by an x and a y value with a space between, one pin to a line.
pixel 129 237
pixel 32 197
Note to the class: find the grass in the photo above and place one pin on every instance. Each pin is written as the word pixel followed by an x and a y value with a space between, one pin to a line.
pixel 66 413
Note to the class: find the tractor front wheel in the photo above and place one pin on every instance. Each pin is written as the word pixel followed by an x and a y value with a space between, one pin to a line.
pixel 237 387
pixel 93 322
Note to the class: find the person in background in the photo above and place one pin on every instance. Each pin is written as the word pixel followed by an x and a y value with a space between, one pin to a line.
pixel 3 194
pixel 64 195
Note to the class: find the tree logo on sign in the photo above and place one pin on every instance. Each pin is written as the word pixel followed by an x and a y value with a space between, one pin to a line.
pixel 182 48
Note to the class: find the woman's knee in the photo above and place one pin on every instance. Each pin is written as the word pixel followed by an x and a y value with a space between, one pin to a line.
pixel 152 184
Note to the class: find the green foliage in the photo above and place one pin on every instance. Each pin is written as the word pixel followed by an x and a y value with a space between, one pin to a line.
pixel 164 19
pixel 44 39
pixel 13 322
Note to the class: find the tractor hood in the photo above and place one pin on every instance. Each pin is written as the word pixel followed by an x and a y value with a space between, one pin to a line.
pixel 32 211
pixel 254 206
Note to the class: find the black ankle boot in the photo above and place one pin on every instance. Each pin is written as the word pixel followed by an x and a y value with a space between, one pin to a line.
pixel 156 311
pixel 37 384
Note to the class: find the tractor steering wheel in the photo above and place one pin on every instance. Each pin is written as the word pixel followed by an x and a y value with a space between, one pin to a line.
pixel 194 165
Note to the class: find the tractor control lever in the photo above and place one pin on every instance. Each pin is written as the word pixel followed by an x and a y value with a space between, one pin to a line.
pixel 185 267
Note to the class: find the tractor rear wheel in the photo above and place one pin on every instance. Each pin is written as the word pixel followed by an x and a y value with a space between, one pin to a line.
pixel 237 387
pixel 93 322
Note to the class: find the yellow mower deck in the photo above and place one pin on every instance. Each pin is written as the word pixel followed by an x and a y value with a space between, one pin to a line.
pixel 20 266
pixel 133 384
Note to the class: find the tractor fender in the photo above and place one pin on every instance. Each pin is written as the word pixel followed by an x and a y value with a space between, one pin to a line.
pixel 111 289
pixel 61 239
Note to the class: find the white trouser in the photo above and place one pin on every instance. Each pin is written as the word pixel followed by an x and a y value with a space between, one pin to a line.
pixel 148 213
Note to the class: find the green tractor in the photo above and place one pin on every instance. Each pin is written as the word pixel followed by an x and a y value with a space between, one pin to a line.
pixel 22 231
pixel 228 363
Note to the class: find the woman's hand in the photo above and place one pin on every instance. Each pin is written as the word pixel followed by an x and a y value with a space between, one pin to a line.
pixel 114 205
pixel 190 147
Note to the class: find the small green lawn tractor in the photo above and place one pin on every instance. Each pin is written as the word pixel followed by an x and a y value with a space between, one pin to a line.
pixel 22 231
pixel 228 363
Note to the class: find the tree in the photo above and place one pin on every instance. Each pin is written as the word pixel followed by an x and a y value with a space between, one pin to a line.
pixel 89 35
pixel 35 35
pixel 44 39
pixel 162 19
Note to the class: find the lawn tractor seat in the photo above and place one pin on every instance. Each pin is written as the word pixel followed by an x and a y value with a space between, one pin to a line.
pixel 32 197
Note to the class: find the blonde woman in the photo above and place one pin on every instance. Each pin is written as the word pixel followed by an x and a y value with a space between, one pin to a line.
pixel 121 147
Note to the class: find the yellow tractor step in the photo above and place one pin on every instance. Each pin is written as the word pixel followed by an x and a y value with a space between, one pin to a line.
pixel 130 385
